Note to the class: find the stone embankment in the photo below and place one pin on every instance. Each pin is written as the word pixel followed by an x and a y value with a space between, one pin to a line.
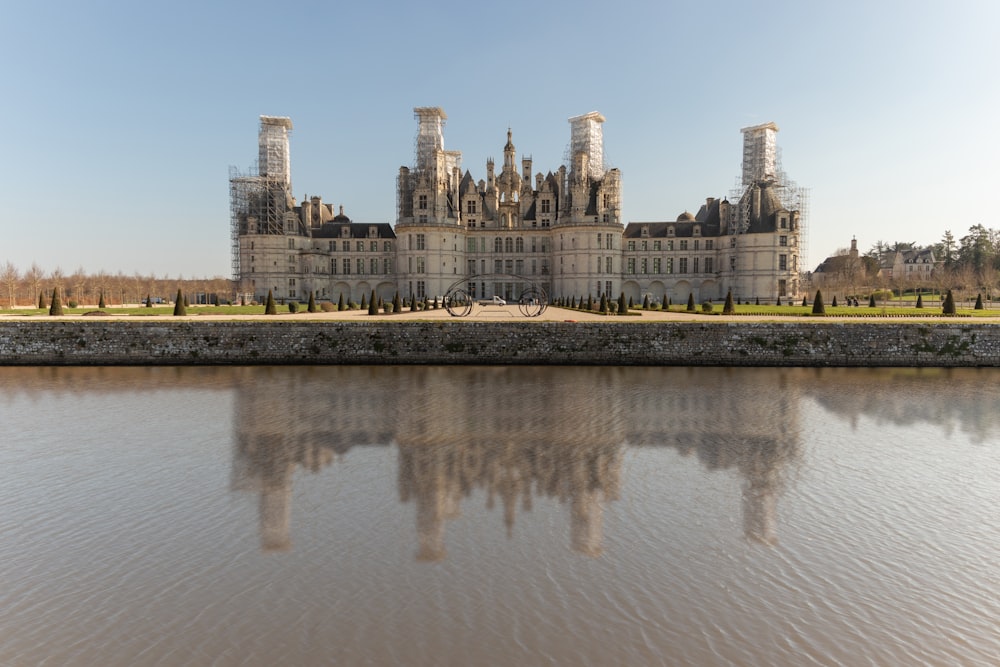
pixel 119 342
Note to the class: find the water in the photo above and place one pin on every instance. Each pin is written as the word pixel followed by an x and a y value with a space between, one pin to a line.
pixel 508 516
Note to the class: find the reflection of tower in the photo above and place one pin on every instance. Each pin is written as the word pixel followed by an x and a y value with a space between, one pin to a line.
pixel 276 512
pixel 763 482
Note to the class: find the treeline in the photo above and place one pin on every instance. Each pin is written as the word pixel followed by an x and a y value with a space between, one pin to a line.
pixel 967 265
pixel 24 287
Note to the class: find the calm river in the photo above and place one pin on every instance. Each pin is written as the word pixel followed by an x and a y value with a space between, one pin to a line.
pixel 501 516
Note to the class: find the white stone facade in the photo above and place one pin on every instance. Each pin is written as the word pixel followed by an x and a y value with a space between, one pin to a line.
pixel 512 231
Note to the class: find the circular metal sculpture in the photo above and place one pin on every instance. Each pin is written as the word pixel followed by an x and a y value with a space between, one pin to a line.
pixel 532 302
pixel 458 302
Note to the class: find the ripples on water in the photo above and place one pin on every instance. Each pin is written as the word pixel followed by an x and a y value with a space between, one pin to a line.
pixel 521 516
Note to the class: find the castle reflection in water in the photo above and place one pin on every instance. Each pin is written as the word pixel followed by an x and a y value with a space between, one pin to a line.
pixel 514 434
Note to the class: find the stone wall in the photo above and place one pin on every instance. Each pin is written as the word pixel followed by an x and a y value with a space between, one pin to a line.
pixel 77 342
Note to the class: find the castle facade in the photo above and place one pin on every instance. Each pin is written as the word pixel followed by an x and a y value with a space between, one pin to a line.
pixel 514 231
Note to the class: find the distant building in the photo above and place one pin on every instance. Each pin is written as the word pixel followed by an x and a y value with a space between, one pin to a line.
pixel 560 232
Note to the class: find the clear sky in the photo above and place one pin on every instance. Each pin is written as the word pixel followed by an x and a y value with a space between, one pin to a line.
pixel 120 119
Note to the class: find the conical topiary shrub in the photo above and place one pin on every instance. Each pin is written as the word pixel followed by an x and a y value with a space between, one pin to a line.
pixel 690 306
pixel 834 303
pixel 340 303
pixel 871 300
pixel 728 308
pixel 645 302
pixel 756 301
pixel 948 308
pixel 920 301
pixel 818 307
pixel 622 306
pixel 778 302
pixel 100 302
pixel 364 302
pixel 373 304
pixel 397 303
pixel 590 302
pixel 631 304
pixel 805 302
pixel 979 302
pixel 312 302
pixel 149 301
pixel 41 301
pixel 179 307
pixel 270 308
pixel 56 307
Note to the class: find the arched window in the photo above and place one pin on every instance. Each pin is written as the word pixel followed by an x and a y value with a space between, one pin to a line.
pixel 519 244
pixel 508 244
pixel 497 244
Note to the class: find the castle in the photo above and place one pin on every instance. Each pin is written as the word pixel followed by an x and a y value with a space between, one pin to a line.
pixel 513 231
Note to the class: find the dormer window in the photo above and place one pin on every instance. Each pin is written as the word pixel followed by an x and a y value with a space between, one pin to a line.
pixel 670 231
pixel 645 230
pixel 697 230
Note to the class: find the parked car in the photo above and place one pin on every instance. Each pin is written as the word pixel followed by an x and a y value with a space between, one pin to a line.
pixel 492 301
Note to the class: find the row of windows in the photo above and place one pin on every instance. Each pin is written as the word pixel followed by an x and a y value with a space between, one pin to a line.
pixel 511 266
pixel 660 265
pixel 359 264
pixel 345 246
pixel 471 208
pixel 682 244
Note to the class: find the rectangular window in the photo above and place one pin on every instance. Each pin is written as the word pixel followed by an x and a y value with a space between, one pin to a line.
pixel 670 265
pixel 472 267
pixel 657 265
pixel 347 266
pixel 421 241
pixel 534 266
pixel 545 267
pixel 470 246
pixel 387 265
pixel 782 262
pixel 696 246
pixel 631 245
pixel 684 245
pixel 361 266
pixel 657 245
pixel 694 265
pixel 386 246
pixel 546 206
pixel 631 265
pixel 333 266
pixel 599 239
pixel 709 265
pixel 422 219
pixel 708 244
pixel 498 266
pixel 782 288
pixel 361 246
pixel 374 265
pixel 346 246
pixel 421 289
pixel 683 265
pixel 373 246
pixel 608 264
pixel 509 266
pixel 607 288
pixel 645 265
pixel 645 245
pixel 782 240
pixel 519 267
pixel 420 265
pixel 422 202
pixel 470 206
pixel 670 245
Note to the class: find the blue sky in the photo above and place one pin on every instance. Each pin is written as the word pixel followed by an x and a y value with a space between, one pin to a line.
pixel 120 119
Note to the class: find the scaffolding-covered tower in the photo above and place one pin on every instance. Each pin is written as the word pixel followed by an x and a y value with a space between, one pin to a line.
pixel 761 167
pixel 260 198
pixel 587 136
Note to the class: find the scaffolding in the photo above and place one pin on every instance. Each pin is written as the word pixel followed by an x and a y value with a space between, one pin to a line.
pixel 430 135
pixel 762 164
pixel 260 197
pixel 587 136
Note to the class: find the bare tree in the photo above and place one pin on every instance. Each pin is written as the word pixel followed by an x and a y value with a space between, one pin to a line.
pixel 34 276
pixel 10 276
